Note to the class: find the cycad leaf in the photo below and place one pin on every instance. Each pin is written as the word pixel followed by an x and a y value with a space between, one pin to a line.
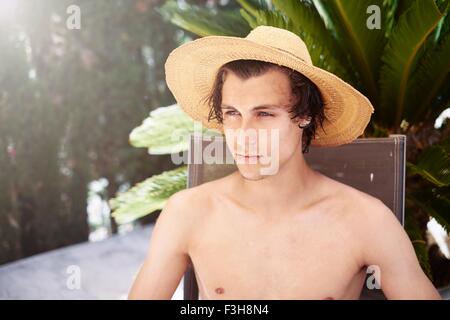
pixel 266 18
pixel 205 21
pixel 321 55
pixel 444 24
pixel 435 202
pixel 147 196
pixel 441 206
pixel 166 131
pixel 434 164
pixel 350 20
pixel 442 101
pixel 252 6
pixel 392 8
pixel 325 50
pixel 400 56
pixel 428 80
pixel 419 244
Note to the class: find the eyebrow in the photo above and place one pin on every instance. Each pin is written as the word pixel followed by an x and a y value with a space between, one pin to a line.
pixel 260 107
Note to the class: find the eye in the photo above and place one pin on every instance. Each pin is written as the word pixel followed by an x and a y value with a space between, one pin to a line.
pixel 231 113
pixel 265 114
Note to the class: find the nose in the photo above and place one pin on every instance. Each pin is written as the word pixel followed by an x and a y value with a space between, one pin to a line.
pixel 247 135
pixel 246 123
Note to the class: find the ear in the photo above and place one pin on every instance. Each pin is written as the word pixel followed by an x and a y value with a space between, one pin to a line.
pixel 303 123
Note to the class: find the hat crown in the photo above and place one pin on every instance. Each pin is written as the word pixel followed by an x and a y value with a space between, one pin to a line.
pixel 281 39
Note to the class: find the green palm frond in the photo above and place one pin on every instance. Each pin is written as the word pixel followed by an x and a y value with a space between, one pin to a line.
pixel 266 18
pixel 435 202
pixel 441 101
pixel 204 21
pixel 400 56
pixel 147 196
pixel 443 26
pixel 325 50
pixel 252 6
pixel 324 13
pixel 428 80
pixel 433 164
pixel 391 8
pixel 322 56
pixel 166 131
pixel 419 243
pixel 402 6
pixel 443 5
pixel 441 206
pixel 364 46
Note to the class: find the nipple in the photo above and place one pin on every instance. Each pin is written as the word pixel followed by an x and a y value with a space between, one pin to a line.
pixel 220 290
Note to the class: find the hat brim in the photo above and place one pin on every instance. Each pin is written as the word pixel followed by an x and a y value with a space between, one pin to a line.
pixel 192 67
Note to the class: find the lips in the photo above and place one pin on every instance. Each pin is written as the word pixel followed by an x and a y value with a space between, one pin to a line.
pixel 247 156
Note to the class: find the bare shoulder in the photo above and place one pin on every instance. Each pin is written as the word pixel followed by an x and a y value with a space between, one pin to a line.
pixel 369 222
pixel 196 201
pixel 186 210
pixel 368 210
pixel 361 207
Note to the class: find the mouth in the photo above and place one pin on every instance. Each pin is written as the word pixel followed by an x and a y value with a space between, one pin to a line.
pixel 243 156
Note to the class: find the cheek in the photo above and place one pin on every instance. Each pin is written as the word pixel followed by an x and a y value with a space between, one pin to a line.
pixel 231 122
pixel 231 139
pixel 231 146
pixel 290 136
pixel 289 139
pixel 282 141
pixel 288 132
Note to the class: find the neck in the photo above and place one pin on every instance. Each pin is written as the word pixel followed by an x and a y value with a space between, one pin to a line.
pixel 294 184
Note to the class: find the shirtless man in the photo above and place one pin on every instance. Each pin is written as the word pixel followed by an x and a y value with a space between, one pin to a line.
pixel 295 234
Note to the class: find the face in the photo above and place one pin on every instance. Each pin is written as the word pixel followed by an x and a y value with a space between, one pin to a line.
pixel 257 125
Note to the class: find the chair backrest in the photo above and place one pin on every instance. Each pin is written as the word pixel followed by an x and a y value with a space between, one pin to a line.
pixel 373 165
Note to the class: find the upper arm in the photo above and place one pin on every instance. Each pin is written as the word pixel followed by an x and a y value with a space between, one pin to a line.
pixel 167 256
pixel 388 247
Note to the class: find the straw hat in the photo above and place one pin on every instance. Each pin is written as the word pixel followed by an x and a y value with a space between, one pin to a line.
pixel 191 69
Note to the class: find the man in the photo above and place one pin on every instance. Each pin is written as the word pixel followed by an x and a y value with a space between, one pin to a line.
pixel 289 233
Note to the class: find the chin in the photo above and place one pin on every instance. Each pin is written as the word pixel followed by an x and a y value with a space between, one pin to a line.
pixel 252 177
pixel 252 174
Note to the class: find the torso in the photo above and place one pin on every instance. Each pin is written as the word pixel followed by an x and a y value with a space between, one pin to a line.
pixel 310 254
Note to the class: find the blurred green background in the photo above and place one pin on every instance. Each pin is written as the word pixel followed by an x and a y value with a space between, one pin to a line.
pixel 68 101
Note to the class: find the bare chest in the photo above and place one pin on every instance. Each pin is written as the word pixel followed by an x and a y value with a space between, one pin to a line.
pixel 308 256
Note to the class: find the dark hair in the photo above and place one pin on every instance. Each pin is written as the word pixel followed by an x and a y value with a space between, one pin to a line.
pixel 309 101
